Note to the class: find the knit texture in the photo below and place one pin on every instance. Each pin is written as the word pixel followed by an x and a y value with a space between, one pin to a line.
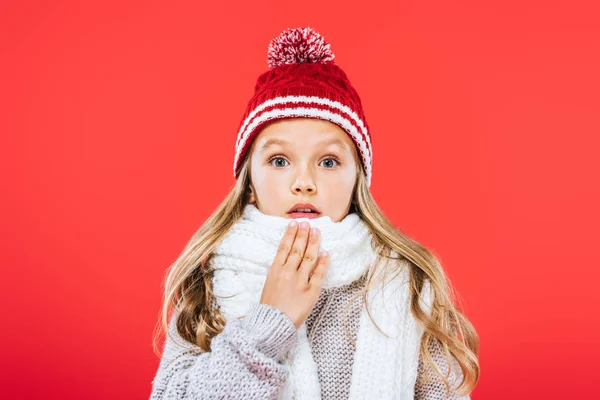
pixel 332 328
pixel 303 80
pixel 332 355
pixel 332 333
pixel 245 361
pixel 242 261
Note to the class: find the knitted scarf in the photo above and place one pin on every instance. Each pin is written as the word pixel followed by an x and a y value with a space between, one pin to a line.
pixel 383 367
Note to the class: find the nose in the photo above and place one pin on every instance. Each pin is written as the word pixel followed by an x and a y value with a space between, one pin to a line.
pixel 304 183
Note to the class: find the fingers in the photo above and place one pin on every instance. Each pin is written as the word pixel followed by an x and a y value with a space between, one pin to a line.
pixel 310 255
pixel 318 274
pixel 298 247
pixel 286 244
pixel 299 251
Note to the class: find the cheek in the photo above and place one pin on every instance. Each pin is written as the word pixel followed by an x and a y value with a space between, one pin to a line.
pixel 347 177
pixel 339 186
pixel 266 182
pixel 257 178
pixel 257 173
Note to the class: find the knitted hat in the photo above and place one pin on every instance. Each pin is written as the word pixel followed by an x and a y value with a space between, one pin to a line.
pixel 304 81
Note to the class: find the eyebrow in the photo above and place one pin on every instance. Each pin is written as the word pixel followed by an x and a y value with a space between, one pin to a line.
pixel 281 142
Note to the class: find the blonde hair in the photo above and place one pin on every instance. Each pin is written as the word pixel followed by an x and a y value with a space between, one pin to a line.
pixel 188 283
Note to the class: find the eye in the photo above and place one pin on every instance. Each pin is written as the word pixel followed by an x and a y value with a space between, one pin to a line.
pixel 277 158
pixel 330 159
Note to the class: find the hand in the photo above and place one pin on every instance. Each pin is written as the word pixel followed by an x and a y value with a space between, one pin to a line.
pixel 296 276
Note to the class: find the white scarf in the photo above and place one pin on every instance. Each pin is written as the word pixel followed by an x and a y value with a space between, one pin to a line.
pixel 383 368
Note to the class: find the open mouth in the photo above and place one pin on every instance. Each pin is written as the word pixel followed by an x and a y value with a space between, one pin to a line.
pixel 304 213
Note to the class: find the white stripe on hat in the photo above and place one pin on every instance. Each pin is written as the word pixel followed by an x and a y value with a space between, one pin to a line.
pixel 307 99
pixel 309 112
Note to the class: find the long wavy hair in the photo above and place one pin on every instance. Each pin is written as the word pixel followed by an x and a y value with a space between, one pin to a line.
pixel 188 288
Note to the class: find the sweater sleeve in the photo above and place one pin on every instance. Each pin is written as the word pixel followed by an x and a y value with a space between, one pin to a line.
pixel 244 361
pixel 435 389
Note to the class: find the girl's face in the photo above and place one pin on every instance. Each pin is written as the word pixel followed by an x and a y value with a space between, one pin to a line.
pixel 303 160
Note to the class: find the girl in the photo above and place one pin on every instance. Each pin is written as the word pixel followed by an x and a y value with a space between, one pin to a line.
pixel 298 286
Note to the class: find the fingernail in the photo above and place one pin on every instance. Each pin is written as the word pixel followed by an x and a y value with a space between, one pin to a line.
pixel 314 231
pixel 293 224
pixel 303 225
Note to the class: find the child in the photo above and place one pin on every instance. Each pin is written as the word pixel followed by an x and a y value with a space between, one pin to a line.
pixel 264 307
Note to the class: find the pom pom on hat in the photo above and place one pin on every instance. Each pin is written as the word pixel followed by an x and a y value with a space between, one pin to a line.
pixel 303 81
pixel 299 45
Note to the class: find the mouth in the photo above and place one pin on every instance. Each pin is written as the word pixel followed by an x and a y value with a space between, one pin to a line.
pixel 304 210
pixel 298 214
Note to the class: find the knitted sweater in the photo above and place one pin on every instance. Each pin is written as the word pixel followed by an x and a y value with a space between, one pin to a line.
pixel 245 358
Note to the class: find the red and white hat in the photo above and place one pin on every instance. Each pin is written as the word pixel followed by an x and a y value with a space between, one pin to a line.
pixel 304 81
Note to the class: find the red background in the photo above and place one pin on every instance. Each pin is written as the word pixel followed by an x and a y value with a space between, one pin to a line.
pixel 118 124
